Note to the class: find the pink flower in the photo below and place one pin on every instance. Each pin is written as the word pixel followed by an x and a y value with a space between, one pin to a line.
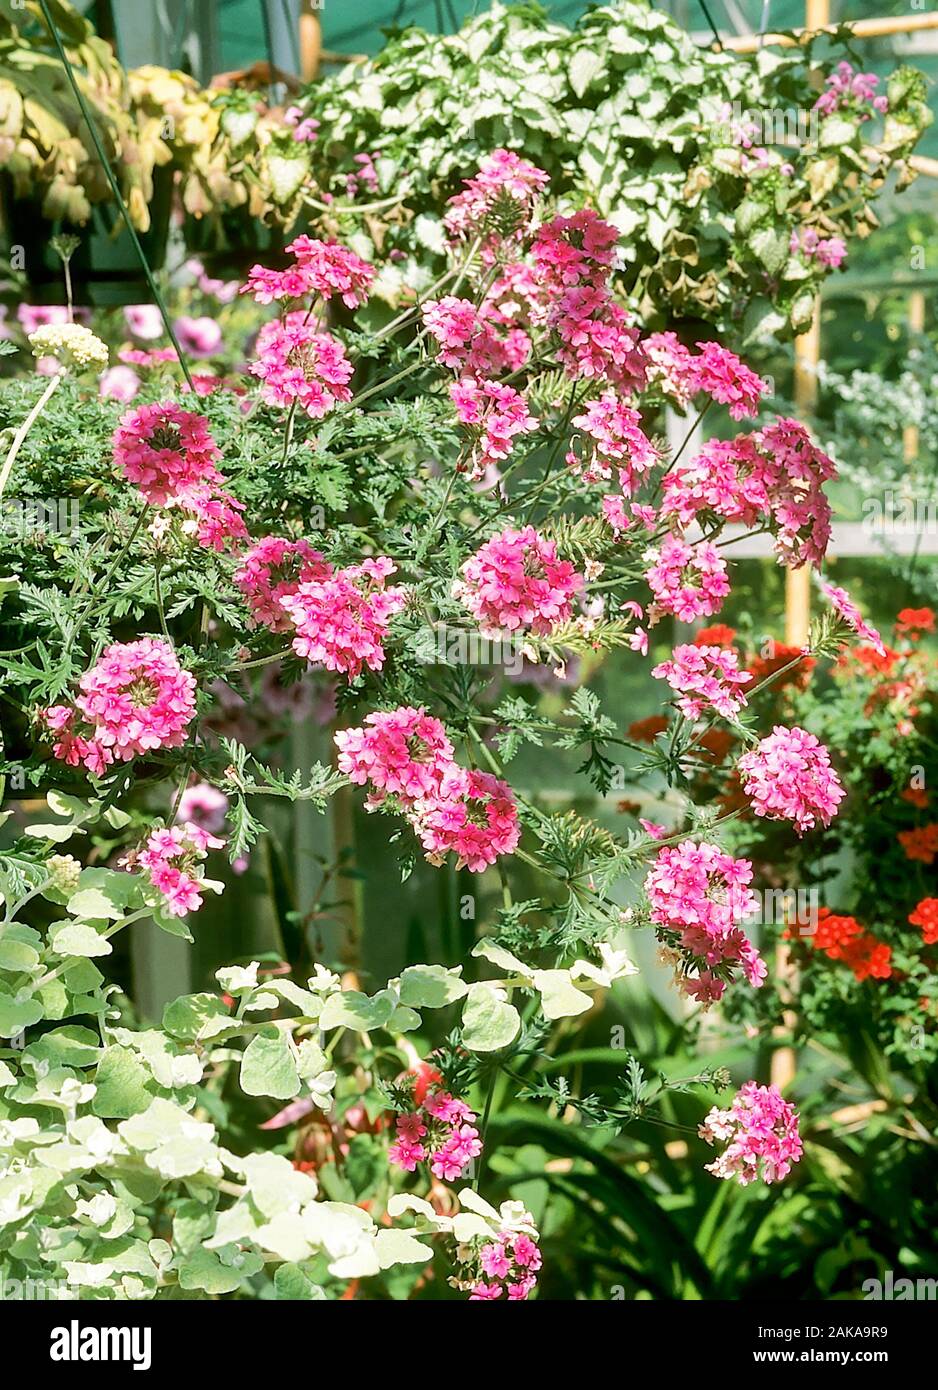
pixel 341 622
pixel 134 700
pixel 570 252
pixel 273 569
pixel 494 1261
pixel 616 440
pixel 722 376
pixel 199 337
pixel 670 366
pixel 406 1155
pixel 505 185
pixel 596 340
pixel 296 363
pixel 172 858
pixel 515 583
pixel 845 608
pixel 331 269
pixel 699 896
pixel 497 413
pixel 118 383
pixel 760 1131
pixel 705 676
pixel 474 815
pixel 204 805
pixel 404 752
pixel 789 777
pixel 688 580
pixel 165 451
pixel 468 339
pixel 144 321
pixel 482 1292
pixel 776 475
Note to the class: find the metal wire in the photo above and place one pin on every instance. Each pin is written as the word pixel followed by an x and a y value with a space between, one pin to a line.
pixel 118 196
pixel 713 27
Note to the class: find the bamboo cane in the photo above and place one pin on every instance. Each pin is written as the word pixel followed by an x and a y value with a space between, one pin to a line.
pixel 814 24
pixel 310 42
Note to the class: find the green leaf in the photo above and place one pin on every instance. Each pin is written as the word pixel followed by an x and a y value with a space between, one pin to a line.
pixel 94 905
pixel 78 939
pixel 350 1009
pixel 488 1022
pixel 431 986
pixel 125 1087
pixel 268 1067
pixel 293 1284
pixel 15 1015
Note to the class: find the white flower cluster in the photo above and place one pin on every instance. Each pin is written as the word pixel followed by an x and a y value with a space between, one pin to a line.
pixel 71 344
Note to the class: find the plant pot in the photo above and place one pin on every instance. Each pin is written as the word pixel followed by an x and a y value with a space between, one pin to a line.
pixel 105 269
pixel 229 243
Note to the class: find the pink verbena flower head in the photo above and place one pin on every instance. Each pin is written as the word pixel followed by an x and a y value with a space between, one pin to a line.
pixel 516 583
pixel 688 580
pixel 296 363
pixel 845 608
pixel 705 676
pixel 165 451
pixel 670 367
pixel 469 341
pixel 199 337
pixel 497 203
pixel 497 413
pixel 439 1131
pixel 403 751
pixel 699 897
pixel 776 474
pixel 267 286
pixel 474 815
pixel 213 518
pixel 721 375
pixel 172 860
pixel 135 699
pixel 273 569
pixel 331 269
pixel 572 252
pixel 341 622
pixel 789 776
pixel 760 1131
pixel 595 339
pixel 616 440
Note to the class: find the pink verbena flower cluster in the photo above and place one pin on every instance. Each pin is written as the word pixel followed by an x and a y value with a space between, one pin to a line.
pixel 473 340
pixel 170 455
pixel 615 440
pixel 404 752
pixel 165 451
pixel 705 676
pixel 515 583
pixel 407 753
pixel 688 580
pixel 789 776
pixel 322 268
pixel 671 366
pixel 496 413
pixel 722 376
pixel 775 475
pixel 297 363
pixel 474 816
pixel 497 203
pixel 341 621
pixel 760 1130
pixel 172 859
pixel 699 896
pixel 441 1132
pixel 508 1264
pixel 273 569
pixel 134 700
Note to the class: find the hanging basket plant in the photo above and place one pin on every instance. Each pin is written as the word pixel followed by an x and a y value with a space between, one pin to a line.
pixel 243 193
pixel 54 178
